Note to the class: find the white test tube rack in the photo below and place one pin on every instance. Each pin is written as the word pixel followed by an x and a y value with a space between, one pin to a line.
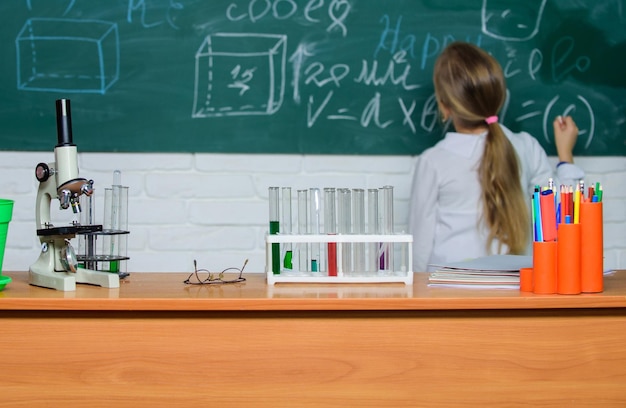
pixel 402 274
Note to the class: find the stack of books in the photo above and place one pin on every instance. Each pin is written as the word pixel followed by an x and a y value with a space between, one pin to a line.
pixel 495 270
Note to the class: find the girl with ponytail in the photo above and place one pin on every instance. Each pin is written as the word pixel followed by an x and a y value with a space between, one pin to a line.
pixel 471 191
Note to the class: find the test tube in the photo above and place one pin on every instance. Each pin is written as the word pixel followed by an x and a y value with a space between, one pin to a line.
pixel 314 224
pixel 274 228
pixel 358 227
pixel 286 227
pixel 330 228
pixel 107 241
pixel 87 242
pixel 386 256
pixel 344 226
pixel 372 229
pixel 303 253
pixel 122 238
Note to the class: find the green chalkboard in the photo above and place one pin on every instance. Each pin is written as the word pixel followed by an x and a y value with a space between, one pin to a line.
pixel 298 76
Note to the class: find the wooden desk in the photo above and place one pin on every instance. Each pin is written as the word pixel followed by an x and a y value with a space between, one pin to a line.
pixel 155 341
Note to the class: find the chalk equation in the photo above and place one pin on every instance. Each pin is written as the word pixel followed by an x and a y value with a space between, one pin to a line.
pixel 310 58
pixel 256 77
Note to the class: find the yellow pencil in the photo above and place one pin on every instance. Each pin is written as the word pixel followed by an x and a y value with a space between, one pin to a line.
pixel 577 205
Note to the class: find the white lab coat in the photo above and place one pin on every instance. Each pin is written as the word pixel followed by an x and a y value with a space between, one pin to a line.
pixel 445 196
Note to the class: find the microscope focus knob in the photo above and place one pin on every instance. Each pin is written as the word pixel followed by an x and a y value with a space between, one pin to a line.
pixel 65 198
pixel 42 172
pixel 87 188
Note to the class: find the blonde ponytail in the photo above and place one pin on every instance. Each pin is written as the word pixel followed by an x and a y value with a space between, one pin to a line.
pixel 470 84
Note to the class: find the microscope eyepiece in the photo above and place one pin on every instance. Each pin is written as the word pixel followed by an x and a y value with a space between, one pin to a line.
pixel 64 123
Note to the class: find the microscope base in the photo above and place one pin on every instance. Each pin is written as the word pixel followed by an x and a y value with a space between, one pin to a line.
pixel 54 280
pixel 44 273
pixel 66 281
pixel 99 278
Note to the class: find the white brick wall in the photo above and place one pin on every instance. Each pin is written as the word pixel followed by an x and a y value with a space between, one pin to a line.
pixel 213 207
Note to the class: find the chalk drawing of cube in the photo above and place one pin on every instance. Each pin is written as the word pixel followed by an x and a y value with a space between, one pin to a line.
pixel 67 55
pixel 239 74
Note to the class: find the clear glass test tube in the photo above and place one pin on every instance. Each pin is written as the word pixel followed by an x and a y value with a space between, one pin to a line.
pixel 386 256
pixel 330 228
pixel 358 227
pixel 286 227
pixel 315 206
pixel 372 229
pixel 344 226
pixel 87 242
pixel 274 227
pixel 107 227
pixel 114 265
pixel 123 226
pixel 303 211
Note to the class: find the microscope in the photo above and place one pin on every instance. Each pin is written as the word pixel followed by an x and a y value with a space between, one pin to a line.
pixel 57 266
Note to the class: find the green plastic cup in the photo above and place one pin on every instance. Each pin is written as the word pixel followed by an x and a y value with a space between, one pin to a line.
pixel 6 211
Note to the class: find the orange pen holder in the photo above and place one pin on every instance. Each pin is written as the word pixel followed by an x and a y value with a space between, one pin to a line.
pixel 591 247
pixel 544 267
pixel 526 279
pixel 568 270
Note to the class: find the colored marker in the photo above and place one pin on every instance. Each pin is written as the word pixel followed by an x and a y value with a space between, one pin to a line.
pixel 537 207
pixel 548 216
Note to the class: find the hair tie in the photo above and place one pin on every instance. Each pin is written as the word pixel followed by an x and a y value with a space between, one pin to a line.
pixel 491 119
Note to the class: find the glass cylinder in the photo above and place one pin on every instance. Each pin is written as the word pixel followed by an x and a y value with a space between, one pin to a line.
pixel 87 242
pixel 358 227
pixel 274 227
pixel 122 225
pixel 314 224
pixel 372 229
pixel 286 227
pixel 107 227
pixel 344 226
pixel 302 230
pixel 330 228
pixel 386 257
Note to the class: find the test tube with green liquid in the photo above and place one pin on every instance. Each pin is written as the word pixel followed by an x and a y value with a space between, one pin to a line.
pixel 314 214
pixel 303 253
pixel 286 226
pixel 274 228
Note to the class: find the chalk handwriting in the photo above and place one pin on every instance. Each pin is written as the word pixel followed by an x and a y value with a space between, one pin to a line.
pixel 233 79
pixel 297 60
pixel 241 77
pixel 257 10
pixel 430 114
pixel 369 74
pixel 372 114
pixel 390 40
pixel 338 12
pixel 315 73
pixel 561 66
pixel 141 7
pixel 407 112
